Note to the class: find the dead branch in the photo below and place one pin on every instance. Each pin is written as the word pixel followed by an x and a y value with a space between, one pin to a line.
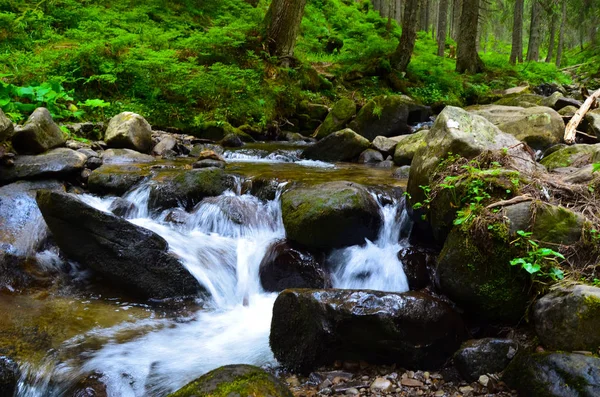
pixel 571 129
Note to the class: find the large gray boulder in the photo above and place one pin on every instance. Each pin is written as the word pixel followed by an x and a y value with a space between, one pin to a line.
pixel 129 131
pixel 57 163
pixel 344 145
pixel 313 328
pixel 478 357
pixel 6 127
pixel 568 318
pixel 330 215
pixel 341 112
pixel 461 133
pixel 554 375
pixel 388 115
pixel 540 127
pixel 38 134
pixel 128 256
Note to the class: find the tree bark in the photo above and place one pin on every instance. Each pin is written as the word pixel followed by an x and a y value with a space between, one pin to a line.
pixel 533 51
pixel 516 52
pixel 442 27
pixel 456 11
pixel 467 58
pixel 401 57
pixel 552 36
pixel 283 24
pixel 561 34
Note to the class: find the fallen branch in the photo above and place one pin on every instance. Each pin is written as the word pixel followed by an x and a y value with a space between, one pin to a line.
pixel 571 129
pixel 514 200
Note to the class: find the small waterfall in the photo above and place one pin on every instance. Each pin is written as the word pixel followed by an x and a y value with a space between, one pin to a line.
pixel 222 243
pixel 279 156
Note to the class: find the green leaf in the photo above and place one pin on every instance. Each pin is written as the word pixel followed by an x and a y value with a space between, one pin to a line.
pixel 556 274
pixel 531 268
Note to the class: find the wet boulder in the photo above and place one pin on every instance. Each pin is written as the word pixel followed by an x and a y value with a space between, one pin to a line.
pixel 341 112
pixel 407 146
pixel 568 318
pixel 417 262
pixel 38 134
pixel 125 156
pixel 209 158
pixel 116 180
pixel 540 127
pixel 58 163
pixel 6 127
pixel 285 266
pixel 370 156
pixel 389 115
pixel 9 376
pixel 235 380
pixel 330 215
pixel 578 155
pixel 484 356
pixel 186 188
pixel 344 145
pixel 554 375
pixel 121 207
pixel 129 130
pixel 128 256
pixel 313 328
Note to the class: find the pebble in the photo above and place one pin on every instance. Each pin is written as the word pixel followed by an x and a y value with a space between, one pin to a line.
pixel 439 393
pixel 484 380
pixel 465 389
pixel 426 375
pixel 411 382
pixel 382 384
pixel 352 392
pixel 411 374
pixel 293 381
pixel 325 384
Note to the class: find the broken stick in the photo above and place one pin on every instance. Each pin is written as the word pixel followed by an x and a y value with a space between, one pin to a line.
pixel 571 129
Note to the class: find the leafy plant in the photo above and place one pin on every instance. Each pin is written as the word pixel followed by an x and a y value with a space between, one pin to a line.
pixel 537 261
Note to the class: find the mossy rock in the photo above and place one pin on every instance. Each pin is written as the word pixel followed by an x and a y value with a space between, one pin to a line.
pixel 342 111
pixel 407 146
pixel 523 100
pixel 568 318
pixel 113 179
pixel 217 130
pixel 572 156
pixel 6 127
pixel 38 134
pixel 474 271
pixel 554 374
pixel 330 215
pixel 344 145
pixel 235 380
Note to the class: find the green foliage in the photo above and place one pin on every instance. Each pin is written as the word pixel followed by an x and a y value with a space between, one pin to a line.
pixel 538 261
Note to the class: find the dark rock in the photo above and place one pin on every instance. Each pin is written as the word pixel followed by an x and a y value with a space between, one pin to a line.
pixel 402 172
pixel 484 356
pixel 125 156
pixel 563 102
pixel 568 318
pixel 186 188
pixel 416 263
pixel 231 140
pixel 129 256
pixel 208 164
pixel 57 163
pixel 111 179
pixel 554 375
pixel 93 163
pixel 87 130
pixel 344 145
pixel 177 216
pixel 38 134
pixel 342 112
pixel 313 328
pixel 370 156
pixel 264 188
pixel 6 127
pixel 129 131
pixel 9 376
pixel 330 215
pixel 121 207
pixel 88 386
pixel 285 266
pixel 235 380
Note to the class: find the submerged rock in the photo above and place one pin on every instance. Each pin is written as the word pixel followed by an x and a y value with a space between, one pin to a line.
pixel 554 375
pixel 235 380
pixel 9 376
pixel 342 111
pixel 312 328
pixel 484 356
pixel 38 134
pixel 568 318
pixel 330 215
pixel 285 266
pixel 129 256
pixel 57 163
pixel 344 145
pixel 129 130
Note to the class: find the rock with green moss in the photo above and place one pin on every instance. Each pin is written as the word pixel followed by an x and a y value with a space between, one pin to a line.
pixel 468 135
pixel 593 121
pixel 344 145
pixel 342 112
pixel 568 318
pixel 540 127
pixel 523 100
pixel 554 375
pixel 389 115
pixel 129 130
pixel 116 180
pixel 568 111
pixel 60 163
pixel 474 271
pixel 235 380
pixel 407 146
pixel 6 127
pixel 578 155
pixel 38 134
pixel 186 188
pixel 218 130
pixel 330 215
pixel 313 328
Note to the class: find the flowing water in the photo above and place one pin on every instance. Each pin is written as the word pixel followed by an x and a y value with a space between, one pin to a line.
pixel 222 244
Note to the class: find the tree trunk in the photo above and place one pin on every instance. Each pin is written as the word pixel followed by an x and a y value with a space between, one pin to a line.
pixel 456 11
pixel 516 53
pixel 561 34
pixel 467 58
pixel 401 57
pixel 398 12
pixel 533 51
pixel 552 36
pixel 283 24
pixel 442 26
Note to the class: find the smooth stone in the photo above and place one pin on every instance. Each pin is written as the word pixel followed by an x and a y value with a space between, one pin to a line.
pixel 39 134
pixel 125 156
pixel 57 163
pixel 129 130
